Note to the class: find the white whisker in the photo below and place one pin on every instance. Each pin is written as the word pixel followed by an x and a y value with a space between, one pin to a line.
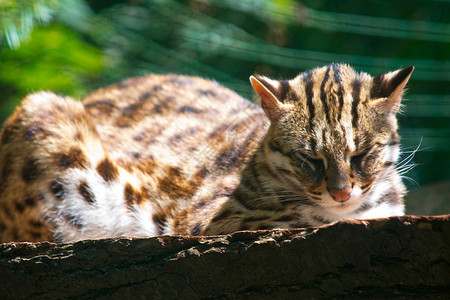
pixel 411 180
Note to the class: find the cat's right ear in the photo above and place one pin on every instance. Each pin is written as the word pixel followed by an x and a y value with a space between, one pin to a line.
pixel 266 89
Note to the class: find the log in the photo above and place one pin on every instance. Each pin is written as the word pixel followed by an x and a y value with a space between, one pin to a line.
pixel 391 258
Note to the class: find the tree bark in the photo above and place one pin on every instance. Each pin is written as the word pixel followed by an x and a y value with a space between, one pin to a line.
pixel 397 258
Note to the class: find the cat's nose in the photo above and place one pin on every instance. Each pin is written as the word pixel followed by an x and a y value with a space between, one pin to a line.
pixel 341 195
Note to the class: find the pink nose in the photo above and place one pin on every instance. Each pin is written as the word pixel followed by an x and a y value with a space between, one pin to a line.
pixel 341 195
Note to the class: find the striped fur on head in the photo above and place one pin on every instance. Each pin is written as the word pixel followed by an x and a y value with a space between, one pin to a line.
pixel 333 136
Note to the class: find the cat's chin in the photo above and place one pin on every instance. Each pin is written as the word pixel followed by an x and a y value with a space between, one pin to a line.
pixel 342 207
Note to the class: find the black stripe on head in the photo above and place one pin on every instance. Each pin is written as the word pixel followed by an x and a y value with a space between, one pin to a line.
pixel 293 96
pixel 313 145
pixel 356 94
pixel 323 97
pixel 309 98
pixel 283 90
pixel 340 92
pixel 375 91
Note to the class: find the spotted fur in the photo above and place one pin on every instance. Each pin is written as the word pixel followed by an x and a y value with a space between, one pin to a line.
pixel 169 154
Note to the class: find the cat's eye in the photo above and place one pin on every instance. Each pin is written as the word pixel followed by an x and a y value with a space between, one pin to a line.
pixel 315 162
pixel 356 160
pixel 318 163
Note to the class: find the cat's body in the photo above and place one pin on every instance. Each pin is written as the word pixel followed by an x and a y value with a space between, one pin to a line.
pixel 182 155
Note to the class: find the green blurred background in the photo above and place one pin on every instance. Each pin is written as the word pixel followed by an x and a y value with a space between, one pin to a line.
pixel 75 46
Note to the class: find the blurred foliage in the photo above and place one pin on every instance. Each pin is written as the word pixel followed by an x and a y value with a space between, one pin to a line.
pixel 54 58
pixel 95 42
pixel 59 60
pixel 18 18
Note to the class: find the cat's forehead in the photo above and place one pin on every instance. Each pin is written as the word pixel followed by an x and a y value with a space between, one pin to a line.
pixel 330 109
pixel 331 77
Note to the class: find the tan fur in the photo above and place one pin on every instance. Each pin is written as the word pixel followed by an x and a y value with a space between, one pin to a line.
pixel 187 156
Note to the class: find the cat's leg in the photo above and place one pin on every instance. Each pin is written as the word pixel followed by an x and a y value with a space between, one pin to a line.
pixel 53 164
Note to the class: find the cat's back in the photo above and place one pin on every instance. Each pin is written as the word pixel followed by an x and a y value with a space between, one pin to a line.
pixel 169 119
pixel 146 148
pixel 141 99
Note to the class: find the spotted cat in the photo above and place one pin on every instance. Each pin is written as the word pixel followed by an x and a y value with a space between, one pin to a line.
pixel 171 154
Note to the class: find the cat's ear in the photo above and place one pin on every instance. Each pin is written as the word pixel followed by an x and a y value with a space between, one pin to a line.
pixel 388 89
pixel 270 92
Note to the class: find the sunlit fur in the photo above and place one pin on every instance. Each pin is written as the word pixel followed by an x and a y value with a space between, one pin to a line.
pixel 170 154
pixel 333 148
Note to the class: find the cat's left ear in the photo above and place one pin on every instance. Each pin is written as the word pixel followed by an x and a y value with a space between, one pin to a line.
pixel 270 92
pixel 388 89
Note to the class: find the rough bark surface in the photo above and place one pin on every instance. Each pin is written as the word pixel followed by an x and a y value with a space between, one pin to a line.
pixel 399 258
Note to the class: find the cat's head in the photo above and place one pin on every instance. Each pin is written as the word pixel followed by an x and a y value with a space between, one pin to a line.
pixel 333 132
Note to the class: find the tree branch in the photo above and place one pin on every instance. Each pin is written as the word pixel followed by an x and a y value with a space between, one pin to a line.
pixel 398 257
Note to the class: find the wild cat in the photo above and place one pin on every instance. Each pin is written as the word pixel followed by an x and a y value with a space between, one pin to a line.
pixel 171 154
